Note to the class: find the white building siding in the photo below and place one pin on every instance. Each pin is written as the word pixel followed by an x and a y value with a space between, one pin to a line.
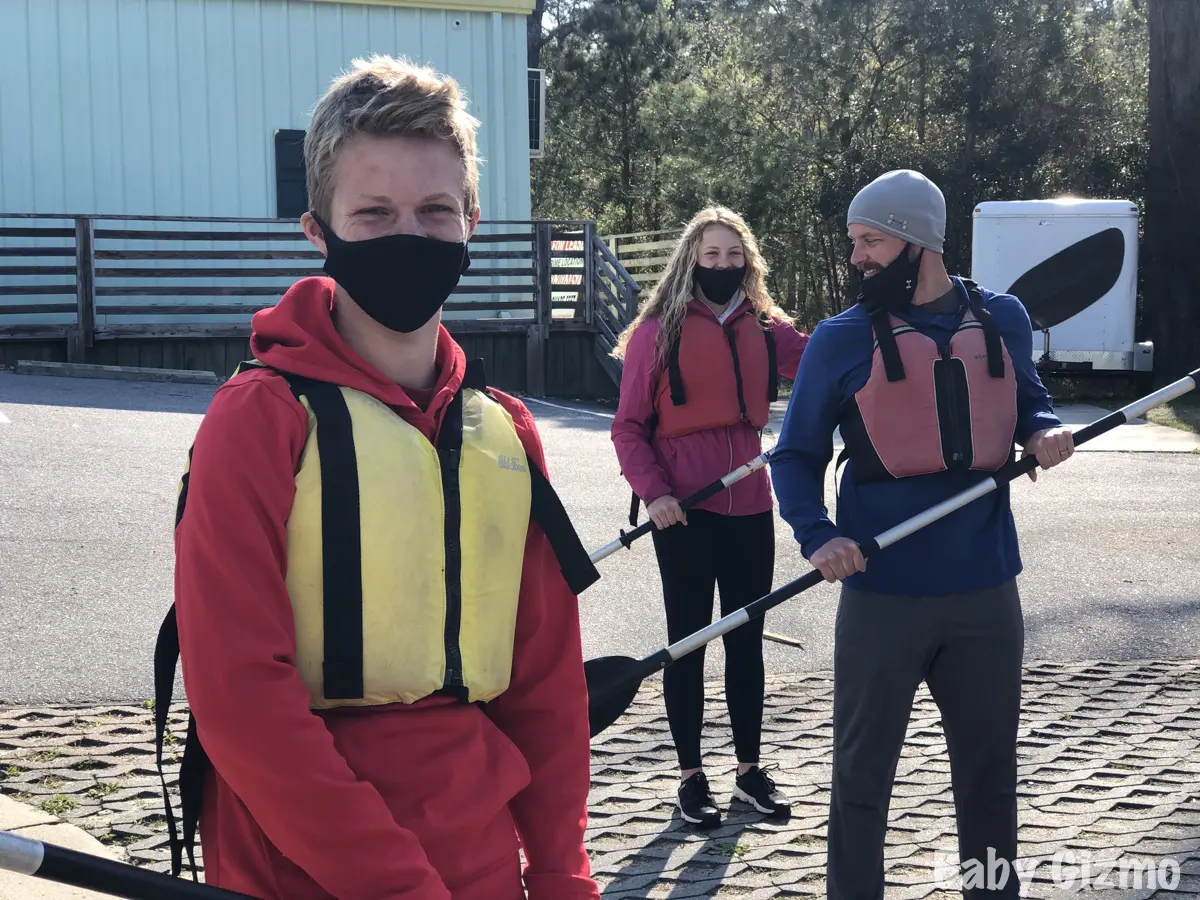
pixel 169 107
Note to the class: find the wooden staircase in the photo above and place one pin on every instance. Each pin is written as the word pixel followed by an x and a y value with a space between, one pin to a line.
pixel 615 293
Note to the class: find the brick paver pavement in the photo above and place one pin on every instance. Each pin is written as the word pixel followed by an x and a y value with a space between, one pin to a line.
pixel 1109 770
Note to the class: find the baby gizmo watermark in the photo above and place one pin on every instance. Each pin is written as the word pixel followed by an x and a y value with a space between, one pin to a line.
pixel 1068 870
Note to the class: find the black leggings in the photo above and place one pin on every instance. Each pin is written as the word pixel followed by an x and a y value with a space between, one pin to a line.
pixel 735 554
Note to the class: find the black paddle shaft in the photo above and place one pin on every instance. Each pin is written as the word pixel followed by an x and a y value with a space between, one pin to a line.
pixel 117 879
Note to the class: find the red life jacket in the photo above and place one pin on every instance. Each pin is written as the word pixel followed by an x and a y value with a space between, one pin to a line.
pixel 717 375
pixel 927 408
pixel 731 376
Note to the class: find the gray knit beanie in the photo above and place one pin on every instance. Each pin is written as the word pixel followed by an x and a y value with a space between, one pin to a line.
pixel 905 204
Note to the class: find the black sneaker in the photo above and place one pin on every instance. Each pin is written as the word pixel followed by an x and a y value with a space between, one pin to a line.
pixel 758 789
pixel 696 802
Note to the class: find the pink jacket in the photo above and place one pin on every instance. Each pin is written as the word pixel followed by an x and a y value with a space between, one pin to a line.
pixel 681 466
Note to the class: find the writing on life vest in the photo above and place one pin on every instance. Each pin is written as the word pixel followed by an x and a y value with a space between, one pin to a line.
pixel 511 463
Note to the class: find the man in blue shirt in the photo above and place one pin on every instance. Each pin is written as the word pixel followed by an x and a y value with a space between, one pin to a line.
pixel 932 381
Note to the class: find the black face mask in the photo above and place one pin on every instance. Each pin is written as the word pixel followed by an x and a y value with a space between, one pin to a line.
pixel 399 280
pixel 891 288
pixel 719 285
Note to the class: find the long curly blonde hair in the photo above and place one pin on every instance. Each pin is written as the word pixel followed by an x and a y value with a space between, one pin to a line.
pixel 669 298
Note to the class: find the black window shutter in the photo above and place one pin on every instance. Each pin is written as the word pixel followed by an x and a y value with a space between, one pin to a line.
pixel 291 186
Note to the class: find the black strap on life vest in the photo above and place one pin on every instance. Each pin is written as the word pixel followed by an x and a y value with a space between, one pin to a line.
pixel 674 375
pixel 772 362
pixel 195 760
pixel 449 448
pixel 991 331
pixel 635 505
pixel 343 639
pixel 341 538
pixel 881 324
pixel 183 489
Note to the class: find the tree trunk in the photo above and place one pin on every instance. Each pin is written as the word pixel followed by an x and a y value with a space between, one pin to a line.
pixel 975 97
pixel 922 88
pixel 533 34
pixel 1172 214
pixel 628 112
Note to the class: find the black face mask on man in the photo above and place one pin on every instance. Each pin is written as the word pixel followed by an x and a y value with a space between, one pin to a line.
pixel 399 280
pixel 892 288
pixel 719 285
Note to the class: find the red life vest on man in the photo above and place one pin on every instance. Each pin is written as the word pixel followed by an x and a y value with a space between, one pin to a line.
pixel 927 408
pixel 717 375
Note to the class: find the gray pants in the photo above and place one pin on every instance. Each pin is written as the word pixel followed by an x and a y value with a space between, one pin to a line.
pixel 968 648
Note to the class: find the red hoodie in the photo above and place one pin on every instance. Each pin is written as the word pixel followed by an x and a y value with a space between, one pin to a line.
pixel 421 802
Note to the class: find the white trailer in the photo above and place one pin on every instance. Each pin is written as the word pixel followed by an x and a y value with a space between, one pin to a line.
pixel 1011 237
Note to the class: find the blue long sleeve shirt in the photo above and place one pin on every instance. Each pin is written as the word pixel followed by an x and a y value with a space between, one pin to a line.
pixel 972 548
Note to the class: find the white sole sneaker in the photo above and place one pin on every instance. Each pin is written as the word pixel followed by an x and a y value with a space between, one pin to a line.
pixel 711 822
pixel 742 795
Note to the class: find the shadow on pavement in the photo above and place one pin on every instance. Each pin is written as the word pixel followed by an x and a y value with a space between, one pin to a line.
pixel 585 417
pixel 700 858
pixel 102 393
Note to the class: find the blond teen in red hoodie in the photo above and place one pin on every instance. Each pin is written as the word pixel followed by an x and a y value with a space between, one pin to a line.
pixel 380 648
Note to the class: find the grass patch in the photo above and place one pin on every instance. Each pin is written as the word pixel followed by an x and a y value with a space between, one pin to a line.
pixel 1113 393
pixel 58 804
pixel 46 755
pixel 103 789
pixel 13 771
pixel 1182 413
pixel 109 839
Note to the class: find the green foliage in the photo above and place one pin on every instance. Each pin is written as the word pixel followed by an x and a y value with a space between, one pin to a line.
pixel 783 109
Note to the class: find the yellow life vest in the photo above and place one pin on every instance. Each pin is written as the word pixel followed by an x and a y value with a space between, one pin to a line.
pixel 404 560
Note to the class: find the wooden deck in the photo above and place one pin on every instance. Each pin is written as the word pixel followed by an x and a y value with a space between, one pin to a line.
pixel 542 303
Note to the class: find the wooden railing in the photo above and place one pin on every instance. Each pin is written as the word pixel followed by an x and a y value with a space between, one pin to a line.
pixel 645 254
pixel 90 278
pixel 615 304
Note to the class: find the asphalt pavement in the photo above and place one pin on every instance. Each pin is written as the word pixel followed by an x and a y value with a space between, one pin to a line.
pixel 89 471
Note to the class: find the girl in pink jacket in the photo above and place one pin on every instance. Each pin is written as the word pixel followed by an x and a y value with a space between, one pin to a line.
pixel 702 362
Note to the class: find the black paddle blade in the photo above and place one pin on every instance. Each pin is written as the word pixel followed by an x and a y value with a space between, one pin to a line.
pixel 1072 279
pixel 613 682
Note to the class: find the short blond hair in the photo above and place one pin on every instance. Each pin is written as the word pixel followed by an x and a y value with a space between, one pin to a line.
pixel 387 96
